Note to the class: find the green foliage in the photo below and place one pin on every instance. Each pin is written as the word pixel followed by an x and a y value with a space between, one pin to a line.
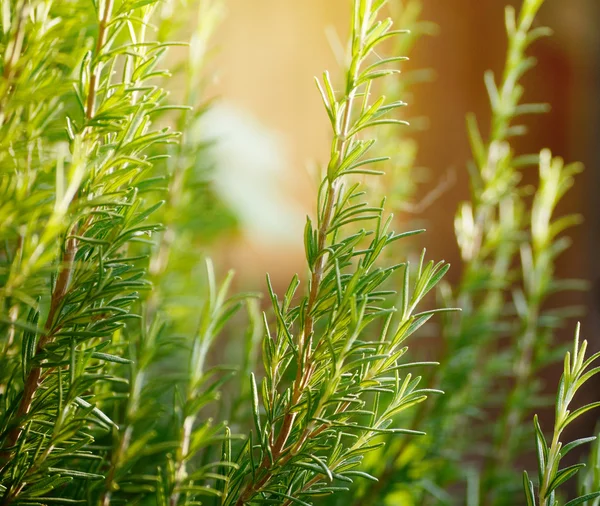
pixel 68 256
pixel 79 225
pixel 577 371
pixel 115 383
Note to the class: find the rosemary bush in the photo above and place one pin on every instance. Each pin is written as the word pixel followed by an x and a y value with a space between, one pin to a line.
pixel 111 390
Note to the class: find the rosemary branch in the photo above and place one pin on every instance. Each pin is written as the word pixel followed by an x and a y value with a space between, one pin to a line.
pixel 305 367
pixel 32 382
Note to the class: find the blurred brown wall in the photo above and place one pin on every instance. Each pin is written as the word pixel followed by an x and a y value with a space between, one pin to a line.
pixel 271 49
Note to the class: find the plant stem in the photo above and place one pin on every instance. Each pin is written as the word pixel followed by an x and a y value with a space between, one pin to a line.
pixel 32 382
pixel 15 46
pixel 183 450
pixel 96 67
pixel 13 312
pixel 554 450
pixel 106 496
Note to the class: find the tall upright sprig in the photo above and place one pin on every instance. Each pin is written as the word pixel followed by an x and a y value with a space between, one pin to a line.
pixel 93 212
pixel 532 345
pixel 488 228
pixel 577 372
pixel 346 390
pixel 32 85
pixel 491 229
pixel 151 346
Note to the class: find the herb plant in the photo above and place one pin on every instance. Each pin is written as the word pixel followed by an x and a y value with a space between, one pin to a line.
pixel 112 389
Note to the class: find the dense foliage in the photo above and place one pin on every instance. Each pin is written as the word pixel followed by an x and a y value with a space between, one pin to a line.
pixel 111 387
